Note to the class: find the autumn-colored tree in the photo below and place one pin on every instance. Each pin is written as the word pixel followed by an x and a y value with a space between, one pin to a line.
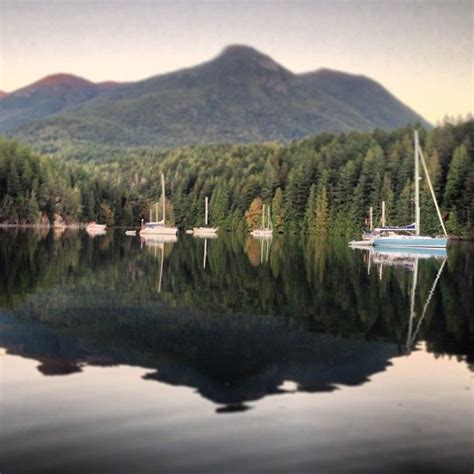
pixel 253 215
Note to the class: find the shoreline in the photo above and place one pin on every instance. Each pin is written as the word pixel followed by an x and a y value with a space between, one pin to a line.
pixel 79 226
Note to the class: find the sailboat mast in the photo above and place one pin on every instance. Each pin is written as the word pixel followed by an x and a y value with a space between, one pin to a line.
pixel 371 221
pixel 207 211
pixel 263 217
pixel 163 195
pixel 417 187
pixel 156 211
pixel 383 214
pixel 269 222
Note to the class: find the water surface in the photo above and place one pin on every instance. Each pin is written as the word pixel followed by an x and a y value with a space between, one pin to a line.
pixel 232 355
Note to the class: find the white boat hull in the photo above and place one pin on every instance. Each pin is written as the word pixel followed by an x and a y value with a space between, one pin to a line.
pixel 159 231
pixel 360 243
pixel 205 231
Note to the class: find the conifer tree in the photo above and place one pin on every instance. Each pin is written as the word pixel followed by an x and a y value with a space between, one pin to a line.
pixel 278 215
pixel 321 220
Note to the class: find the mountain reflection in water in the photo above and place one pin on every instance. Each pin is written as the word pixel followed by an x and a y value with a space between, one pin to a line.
pixel 235 326
pixel 230 359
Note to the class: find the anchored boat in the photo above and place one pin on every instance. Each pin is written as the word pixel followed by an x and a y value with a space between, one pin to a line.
pixel 409 236
pixel 264 231
pixel 205 231
pixel 158 227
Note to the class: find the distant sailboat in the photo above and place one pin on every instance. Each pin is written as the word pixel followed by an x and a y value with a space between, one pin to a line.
pixel 158 227
pixel 409 236
pixel 205 231
pixel 264 231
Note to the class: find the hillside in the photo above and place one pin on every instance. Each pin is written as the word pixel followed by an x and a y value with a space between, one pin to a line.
pixel 50 95
pixel 241 96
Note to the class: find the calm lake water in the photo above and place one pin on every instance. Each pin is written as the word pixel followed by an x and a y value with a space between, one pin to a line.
pixel 232 355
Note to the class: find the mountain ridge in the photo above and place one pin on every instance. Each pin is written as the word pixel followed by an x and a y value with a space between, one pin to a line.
pixel 241 95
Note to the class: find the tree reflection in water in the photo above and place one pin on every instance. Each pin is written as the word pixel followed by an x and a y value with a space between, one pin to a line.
pixel 237 329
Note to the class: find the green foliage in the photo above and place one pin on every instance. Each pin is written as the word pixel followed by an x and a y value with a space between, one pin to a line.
pixel 33 187
pixel 321 213
pixel 356 170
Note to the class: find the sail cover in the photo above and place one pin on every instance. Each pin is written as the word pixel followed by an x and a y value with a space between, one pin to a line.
pixel 405 228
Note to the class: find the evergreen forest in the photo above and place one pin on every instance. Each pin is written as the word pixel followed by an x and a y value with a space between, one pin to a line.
pixel 323 184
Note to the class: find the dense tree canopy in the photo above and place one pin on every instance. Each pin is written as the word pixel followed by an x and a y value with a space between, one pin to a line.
pixel 322 184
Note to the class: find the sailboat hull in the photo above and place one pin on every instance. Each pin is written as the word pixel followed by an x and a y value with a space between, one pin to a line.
pixel 159 230
pixel 205 231
pixel 411 242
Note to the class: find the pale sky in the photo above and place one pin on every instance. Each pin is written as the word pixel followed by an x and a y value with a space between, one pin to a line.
pixel 422 51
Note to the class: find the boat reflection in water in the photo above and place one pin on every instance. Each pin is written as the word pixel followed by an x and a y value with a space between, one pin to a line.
pixel 157 243
pixel 409 260
pixel 264 244
pixel 125 353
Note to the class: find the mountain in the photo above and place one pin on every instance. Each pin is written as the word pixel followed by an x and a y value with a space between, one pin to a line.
pixel 50 95
pixel 2 94
pixel 240 96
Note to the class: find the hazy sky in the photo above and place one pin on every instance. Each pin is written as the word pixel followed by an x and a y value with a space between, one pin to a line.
pixel 422 51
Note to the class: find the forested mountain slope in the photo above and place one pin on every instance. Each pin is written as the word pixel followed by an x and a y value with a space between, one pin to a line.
pixel 241 96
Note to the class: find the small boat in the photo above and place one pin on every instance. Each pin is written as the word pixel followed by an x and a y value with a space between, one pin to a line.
pixel 95 229
pixel 131 233
pixel 361 243
pixel 264 232
pixel 158 227
pixel 205 231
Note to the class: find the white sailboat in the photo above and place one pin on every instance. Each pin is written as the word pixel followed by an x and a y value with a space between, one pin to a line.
pixel 264 231
pixel 409 236
pixel 205 231
pixel 157 227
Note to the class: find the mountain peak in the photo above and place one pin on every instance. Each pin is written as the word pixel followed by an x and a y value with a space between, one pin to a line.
pixel 241 95
pixel 60 79
pixel 238 54
pixel 240 50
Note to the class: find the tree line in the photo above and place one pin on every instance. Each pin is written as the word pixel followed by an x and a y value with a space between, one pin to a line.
pixel 322 184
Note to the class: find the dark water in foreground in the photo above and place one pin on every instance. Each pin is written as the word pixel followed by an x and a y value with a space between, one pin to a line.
pixel 232 355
